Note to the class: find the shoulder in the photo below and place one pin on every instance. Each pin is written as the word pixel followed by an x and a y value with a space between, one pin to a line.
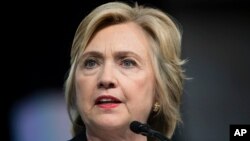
pixel 79 137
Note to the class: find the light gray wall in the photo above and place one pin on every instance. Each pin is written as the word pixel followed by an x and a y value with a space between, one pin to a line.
pixel 216 42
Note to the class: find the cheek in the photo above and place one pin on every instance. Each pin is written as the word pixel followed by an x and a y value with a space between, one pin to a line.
pixel 140 93
pixel 84 91
pixel 144 84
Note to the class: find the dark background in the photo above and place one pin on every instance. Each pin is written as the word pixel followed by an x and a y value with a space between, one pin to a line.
pixel 216 36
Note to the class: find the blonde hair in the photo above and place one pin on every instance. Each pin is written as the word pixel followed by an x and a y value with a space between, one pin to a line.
pixel 165 40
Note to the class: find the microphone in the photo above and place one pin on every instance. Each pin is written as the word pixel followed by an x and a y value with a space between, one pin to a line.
pixel 144 129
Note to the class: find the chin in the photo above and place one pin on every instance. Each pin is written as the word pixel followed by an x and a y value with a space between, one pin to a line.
pixel 112 122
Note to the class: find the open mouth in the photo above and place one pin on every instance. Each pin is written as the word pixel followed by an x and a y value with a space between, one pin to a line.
pixel 107 100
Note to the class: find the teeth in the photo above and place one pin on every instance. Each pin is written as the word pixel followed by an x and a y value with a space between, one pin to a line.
pixel 106 100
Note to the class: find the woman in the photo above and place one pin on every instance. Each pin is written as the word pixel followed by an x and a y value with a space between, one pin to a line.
pixel 125 66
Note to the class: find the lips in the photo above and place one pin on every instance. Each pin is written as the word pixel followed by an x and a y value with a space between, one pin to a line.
pixel 107 100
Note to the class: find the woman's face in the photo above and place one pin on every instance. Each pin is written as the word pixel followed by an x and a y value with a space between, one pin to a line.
pixel 114 78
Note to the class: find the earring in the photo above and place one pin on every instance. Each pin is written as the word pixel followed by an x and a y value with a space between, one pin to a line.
pixel 156 107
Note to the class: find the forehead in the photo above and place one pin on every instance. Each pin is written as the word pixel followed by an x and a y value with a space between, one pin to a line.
pixel 126 37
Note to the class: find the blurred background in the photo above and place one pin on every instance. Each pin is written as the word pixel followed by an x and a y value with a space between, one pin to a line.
pixel 216 36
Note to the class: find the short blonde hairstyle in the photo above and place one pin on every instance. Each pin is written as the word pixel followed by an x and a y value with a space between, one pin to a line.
pixel 165 40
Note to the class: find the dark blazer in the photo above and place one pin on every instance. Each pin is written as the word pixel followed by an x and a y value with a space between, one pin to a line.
pixel 79 137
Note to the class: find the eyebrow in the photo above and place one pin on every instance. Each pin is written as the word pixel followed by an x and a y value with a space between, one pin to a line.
pixel 92 53
pixel 126 53
pixel 117 55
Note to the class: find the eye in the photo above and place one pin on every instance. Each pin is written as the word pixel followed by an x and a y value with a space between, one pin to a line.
pixel 90 63
pixel 128 63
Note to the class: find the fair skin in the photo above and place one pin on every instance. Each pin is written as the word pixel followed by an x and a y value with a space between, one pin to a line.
pixel 115 83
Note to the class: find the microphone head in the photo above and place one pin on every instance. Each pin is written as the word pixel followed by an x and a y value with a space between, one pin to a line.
pixel 144 129
pixel 135 126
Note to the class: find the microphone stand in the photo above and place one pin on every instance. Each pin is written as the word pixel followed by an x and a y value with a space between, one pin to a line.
pixel 155 134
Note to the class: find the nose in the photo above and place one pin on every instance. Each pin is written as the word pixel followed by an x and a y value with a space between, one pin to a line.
pixel 107 78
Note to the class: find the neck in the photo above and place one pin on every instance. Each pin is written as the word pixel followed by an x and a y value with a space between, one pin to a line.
pixel 113 135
